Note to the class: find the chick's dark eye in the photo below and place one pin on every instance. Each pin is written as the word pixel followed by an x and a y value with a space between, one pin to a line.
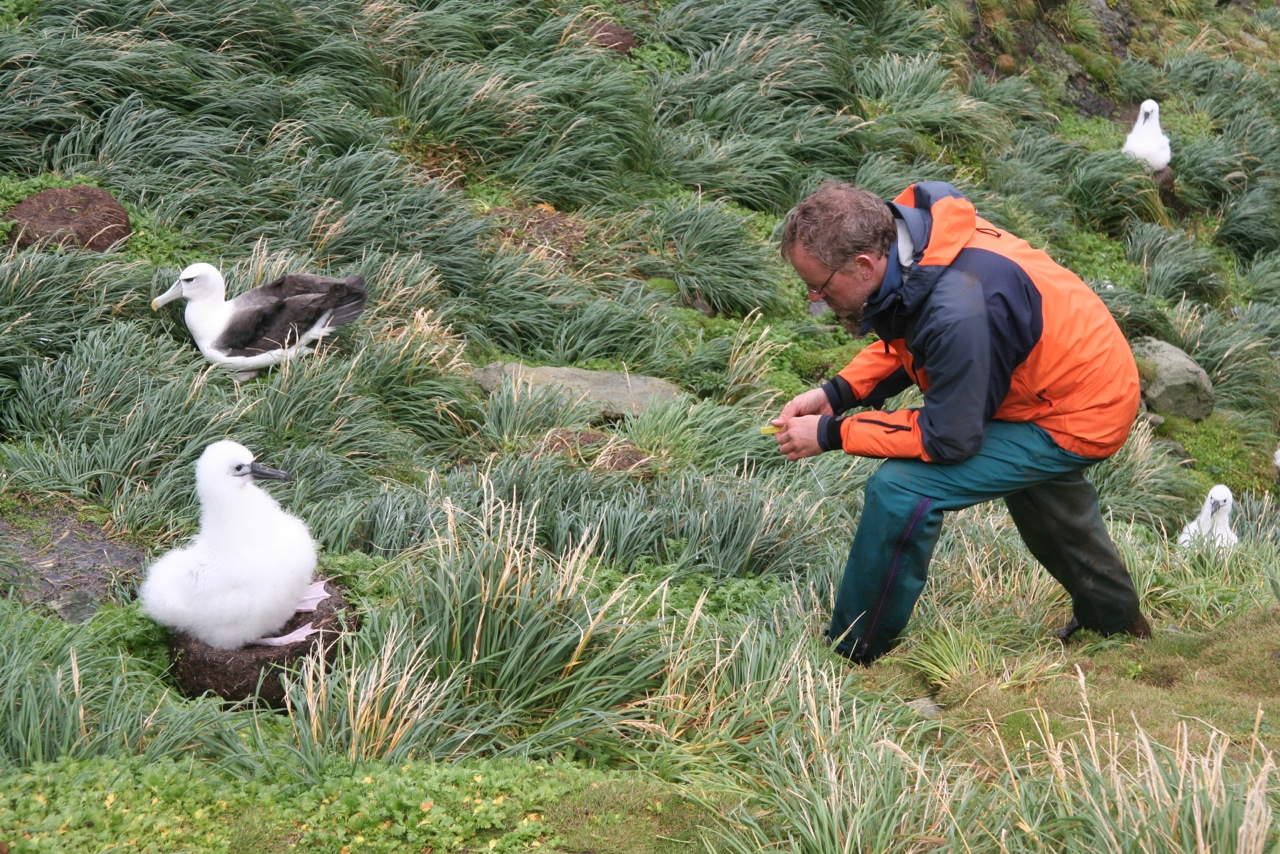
pixel 188 278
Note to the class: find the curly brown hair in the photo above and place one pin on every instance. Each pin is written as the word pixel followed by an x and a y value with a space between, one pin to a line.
pixel 837 222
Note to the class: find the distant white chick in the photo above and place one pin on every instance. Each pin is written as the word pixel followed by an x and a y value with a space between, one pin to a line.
pixel 1213 523
pixel 248 569
pixel 1146 141
pixel 266 325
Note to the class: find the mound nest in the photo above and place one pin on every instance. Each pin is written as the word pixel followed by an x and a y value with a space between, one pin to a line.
pixel 234 674
pixel 71 216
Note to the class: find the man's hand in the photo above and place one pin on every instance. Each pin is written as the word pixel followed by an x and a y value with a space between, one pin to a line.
pixel 799 437
pixel 812 402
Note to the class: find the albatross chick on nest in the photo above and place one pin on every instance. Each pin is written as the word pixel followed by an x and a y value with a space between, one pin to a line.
pixel 266 325
pixel 1146 141
pixel 1213 523
pixel 249 568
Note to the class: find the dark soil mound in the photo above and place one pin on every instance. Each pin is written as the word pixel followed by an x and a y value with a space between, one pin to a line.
pixel 612 36
pixel 234 674
pixel 83 216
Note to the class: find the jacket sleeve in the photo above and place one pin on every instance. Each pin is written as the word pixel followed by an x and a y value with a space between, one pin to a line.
pixel 875 375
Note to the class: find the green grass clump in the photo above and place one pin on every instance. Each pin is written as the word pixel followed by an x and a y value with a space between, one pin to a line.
pixel 1223 452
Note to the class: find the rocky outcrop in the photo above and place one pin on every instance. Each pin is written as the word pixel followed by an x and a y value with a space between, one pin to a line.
pixel 1172 383
pixel 609 395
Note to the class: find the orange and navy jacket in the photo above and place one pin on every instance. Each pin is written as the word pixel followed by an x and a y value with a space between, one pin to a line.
pixel 989 328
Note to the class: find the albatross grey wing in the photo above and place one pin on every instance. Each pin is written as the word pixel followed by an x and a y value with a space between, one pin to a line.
pixel 351 305
pixel 242 329
pixel 281 313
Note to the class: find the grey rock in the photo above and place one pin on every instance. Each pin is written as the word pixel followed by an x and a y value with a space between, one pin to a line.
pixel 608 395
pixel 926 707
pixel 1177 385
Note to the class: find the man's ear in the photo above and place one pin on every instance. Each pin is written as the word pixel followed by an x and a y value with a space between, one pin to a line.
pixel 864 265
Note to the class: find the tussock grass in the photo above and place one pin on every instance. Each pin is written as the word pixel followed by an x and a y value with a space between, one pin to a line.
pixel 1237 360
pixel 1108 190
pixel 920 95
pixel 1249 225
pixel 1172 268
pixel 66 694
pixel 703 248
pixel 523 603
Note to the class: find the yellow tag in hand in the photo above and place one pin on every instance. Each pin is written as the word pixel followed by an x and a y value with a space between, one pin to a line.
pixel 770 429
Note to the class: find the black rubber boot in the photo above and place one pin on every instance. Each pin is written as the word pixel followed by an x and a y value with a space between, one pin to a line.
pixel 1062 526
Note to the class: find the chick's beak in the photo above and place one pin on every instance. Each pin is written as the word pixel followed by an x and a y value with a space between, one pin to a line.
pixel 261 472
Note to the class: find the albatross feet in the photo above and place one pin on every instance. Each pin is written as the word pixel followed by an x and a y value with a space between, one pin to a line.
pixel 297 635
pixel 313 596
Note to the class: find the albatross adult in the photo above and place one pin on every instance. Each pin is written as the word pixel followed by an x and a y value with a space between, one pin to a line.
pixel 266 325
pixel 249 568
pixel 1146 141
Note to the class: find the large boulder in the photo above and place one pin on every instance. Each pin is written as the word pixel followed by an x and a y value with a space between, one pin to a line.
pixel 609 395
pixel 1172 383
pixel 83 216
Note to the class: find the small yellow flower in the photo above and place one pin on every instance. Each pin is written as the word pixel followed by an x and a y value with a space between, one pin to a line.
pixel 478 777
pixel 499 799
pixel 111 799
pixel 367 780
pixel 493 843
pixel 41 799
pixel 533 816
pixel 427 805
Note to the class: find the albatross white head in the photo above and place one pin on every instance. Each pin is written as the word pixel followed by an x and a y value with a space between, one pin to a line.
pixel 1149 114
pixel 197 283
pixel 226 470
pixel 1219 504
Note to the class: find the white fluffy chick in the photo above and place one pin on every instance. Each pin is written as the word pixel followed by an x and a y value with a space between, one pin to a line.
pixel 1146 141
pixel 245 573
pixel 1213 523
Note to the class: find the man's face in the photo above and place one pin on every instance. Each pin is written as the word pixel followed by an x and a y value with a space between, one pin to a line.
pixel 845 289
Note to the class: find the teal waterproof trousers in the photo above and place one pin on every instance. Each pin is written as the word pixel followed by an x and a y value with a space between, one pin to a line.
pixel 1052 504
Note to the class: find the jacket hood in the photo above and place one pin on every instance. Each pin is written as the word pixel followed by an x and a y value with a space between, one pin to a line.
pixel 941 222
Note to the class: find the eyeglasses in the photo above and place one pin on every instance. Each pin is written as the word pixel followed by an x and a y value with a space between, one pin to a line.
pixel 821 290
